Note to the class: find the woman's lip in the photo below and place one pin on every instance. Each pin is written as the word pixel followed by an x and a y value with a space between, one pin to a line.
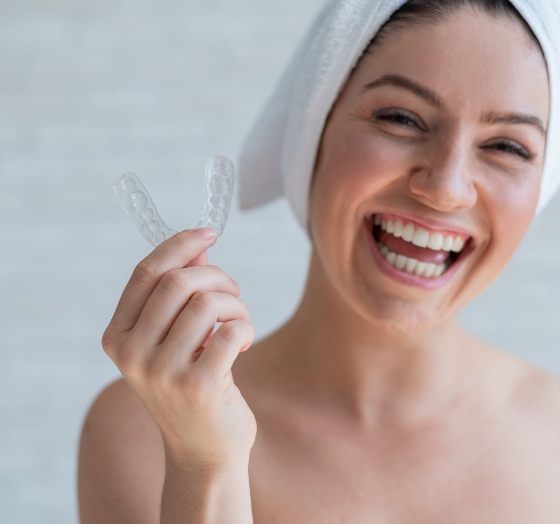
pixel 430 225
pixel 408 278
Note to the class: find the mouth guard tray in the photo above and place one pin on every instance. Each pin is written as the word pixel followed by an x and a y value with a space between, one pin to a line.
pixel 136 202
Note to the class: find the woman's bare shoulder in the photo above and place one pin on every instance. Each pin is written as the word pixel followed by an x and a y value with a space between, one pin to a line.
pixel 537 390
pixel 508 381
pixel 121 463
pixel 117 408
pixel 119 402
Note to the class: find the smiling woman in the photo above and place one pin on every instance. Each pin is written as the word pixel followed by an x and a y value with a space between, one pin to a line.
pixel 424 158
pixel 415 142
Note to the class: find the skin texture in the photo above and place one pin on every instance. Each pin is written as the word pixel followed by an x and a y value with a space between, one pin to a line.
pixel 399 334
pixel 372 405
pixel 370 375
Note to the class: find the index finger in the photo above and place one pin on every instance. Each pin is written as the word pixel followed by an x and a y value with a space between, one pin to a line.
pixel 175 252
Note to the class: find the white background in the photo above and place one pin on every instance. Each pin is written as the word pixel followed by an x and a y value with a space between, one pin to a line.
pixel 90 89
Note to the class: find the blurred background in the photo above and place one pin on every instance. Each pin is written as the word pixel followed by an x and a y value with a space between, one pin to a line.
pixel 90 89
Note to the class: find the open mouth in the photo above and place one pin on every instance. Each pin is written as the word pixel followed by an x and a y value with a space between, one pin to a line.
pixel 418 263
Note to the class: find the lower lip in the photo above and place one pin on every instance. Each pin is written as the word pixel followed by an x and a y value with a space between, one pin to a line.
pixel 403 277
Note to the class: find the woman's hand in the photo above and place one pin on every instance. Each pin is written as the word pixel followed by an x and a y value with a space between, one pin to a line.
pixel 161 338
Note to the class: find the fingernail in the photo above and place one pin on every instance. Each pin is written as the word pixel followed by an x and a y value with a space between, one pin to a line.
pixel 206 233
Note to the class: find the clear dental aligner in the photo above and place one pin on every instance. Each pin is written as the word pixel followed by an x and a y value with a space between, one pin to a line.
pixel 135 200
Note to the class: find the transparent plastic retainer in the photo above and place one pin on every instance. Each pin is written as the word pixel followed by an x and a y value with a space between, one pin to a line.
pixel 135 200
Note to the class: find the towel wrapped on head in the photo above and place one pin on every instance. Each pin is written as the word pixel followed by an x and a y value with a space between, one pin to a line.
pixel 278 156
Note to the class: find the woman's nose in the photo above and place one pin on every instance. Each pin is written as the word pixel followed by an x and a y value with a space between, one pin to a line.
pixel 446 181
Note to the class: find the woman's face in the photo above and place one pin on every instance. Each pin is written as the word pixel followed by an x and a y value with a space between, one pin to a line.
pixel 387 151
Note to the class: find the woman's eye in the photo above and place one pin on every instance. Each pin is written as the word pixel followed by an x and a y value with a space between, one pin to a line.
pixel 511 148
pixel 402 119
pixel 397 117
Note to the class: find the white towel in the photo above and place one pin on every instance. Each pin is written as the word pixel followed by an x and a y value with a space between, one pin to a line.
pixel 278 155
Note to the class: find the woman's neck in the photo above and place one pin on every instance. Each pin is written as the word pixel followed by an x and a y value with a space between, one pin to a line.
pixel 331 354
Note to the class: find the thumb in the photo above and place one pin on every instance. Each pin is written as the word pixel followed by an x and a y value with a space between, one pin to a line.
pixel 199 260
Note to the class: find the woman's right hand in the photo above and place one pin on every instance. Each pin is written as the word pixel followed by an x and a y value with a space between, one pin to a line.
pixel 161 338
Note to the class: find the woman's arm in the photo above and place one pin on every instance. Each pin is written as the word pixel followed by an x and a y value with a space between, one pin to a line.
pixel 123 477
pixel 193 496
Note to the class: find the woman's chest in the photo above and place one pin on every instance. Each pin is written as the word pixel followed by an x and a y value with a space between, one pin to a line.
pixel 497 477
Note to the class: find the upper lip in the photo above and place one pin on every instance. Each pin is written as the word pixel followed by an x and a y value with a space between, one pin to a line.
pixel 430 224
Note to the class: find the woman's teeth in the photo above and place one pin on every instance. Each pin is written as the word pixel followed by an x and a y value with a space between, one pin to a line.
pixel 411 265
pixel 421 237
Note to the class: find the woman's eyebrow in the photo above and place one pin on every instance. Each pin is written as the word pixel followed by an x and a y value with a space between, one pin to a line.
pixel 433 99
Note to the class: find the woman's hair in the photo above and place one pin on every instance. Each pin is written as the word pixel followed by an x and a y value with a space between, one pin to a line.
pixel 426 12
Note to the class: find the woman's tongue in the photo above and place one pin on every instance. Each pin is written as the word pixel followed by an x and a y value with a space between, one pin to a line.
pixel 402 247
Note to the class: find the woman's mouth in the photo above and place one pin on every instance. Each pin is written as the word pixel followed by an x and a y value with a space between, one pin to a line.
pixel 412 264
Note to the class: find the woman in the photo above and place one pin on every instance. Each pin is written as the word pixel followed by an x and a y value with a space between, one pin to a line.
pixel 372 404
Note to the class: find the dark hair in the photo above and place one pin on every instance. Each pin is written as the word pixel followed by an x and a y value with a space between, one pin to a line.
pixel 425 12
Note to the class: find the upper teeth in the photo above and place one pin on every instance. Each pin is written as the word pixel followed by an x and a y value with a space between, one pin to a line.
pixel 421 237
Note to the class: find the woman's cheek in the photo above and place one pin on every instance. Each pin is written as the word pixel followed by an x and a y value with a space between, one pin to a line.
pixel 514 206
pixel 514 192
pixel 372 155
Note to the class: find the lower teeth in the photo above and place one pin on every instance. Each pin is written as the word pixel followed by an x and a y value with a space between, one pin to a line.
pixel 411 265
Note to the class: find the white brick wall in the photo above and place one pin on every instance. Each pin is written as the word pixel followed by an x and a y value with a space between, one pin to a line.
pixel 91 89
